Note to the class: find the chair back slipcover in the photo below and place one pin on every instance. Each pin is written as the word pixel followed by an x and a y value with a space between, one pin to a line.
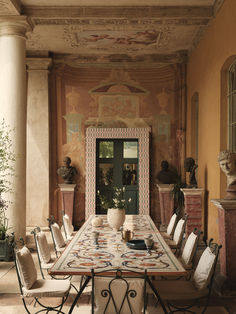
pixel 179 231
pixel 171 225
pixel 204 269
pixel 118 294
pixel 57 236
pixel 190 247
pixel 26 267
pixel 43 247
pixel 68 227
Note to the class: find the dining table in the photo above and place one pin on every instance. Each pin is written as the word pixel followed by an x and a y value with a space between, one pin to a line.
pixel 101 248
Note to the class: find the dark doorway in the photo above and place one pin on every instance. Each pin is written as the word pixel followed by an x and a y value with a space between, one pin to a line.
pixel 117 166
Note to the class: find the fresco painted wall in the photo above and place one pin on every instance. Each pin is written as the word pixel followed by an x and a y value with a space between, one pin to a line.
pixel 102 97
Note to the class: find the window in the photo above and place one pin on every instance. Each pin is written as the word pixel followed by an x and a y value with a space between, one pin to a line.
pixel 232 107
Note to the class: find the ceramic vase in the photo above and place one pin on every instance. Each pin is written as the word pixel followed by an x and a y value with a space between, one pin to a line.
pixel 115 218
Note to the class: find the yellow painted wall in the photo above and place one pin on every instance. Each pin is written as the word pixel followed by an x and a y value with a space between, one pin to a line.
pixel 204 76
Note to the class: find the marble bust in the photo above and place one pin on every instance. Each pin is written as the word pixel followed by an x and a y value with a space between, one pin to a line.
pixel 190 166
pixel 67 172
pixel 227 162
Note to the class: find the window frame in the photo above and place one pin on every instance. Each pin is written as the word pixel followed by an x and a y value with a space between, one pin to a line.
pixel 231 93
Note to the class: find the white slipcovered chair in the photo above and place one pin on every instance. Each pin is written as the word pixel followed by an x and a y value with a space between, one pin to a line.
pixel 189 252
pixel 31 286
pixel 190 248
pixel 120 293
pixel 45 259
pixel 178 236
pixel 68 227
pixel 57 236
pixel 170 228
pixel 43 250
pixel 181 295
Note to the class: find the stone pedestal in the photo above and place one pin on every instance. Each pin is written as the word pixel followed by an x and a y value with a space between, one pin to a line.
pixel 166 202
pixel 67 198
pixel 193 208
pixel 227 237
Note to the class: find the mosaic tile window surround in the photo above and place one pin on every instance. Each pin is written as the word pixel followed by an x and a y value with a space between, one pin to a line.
pixel 140 134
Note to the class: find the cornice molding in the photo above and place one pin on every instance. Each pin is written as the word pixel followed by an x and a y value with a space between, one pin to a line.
pixel 134 22
pixel 150 60
pixel 15 25
pixel 10 7
pixel 120 11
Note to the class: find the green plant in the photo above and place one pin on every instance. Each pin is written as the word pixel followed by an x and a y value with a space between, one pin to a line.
pixel 7 159
pixel 117 201
pixel 3 220
pixel 178 195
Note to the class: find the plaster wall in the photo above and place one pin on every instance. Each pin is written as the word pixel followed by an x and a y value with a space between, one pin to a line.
pixel 204 75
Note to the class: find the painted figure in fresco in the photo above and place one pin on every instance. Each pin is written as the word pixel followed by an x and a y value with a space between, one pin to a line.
pixel 227 162
pixel 67 172
pixel 190 167
pixel 163 100
pixel 166 175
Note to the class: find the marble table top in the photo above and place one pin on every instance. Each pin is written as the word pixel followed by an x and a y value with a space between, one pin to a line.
pixel 83 253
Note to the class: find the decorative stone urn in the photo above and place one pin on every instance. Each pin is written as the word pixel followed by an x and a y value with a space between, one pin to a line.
pixel 115 218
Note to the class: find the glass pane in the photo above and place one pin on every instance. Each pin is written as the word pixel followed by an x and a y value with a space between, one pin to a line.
pixel 232 81
pixel 233 86
pixel 129 174
pixel 105 174
pixel 233 109
pixel 233 138
pixel 106 149
pixel 130 149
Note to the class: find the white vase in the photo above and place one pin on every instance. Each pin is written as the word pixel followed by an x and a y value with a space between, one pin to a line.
pixel 115 218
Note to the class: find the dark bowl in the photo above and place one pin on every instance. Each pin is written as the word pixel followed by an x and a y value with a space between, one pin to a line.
pixel 136 244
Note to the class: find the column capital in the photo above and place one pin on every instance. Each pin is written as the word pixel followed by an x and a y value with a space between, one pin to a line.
pixel 165 187
pixel 192 191
pixel 39 64
pixel 15 26
pixel 224 204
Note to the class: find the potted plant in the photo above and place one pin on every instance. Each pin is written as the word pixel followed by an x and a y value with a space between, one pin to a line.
pixel 115 207
pixel 7 159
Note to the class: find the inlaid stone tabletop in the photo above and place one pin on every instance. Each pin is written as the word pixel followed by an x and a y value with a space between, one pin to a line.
pixel 84 253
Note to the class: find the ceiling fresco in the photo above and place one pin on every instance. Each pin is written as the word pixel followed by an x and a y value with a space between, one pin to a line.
pixel 85 31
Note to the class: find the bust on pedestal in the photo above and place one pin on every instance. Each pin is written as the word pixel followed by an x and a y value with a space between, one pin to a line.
pixel 192 197
pixel 67 173
pixel 227 218
pixel 166 178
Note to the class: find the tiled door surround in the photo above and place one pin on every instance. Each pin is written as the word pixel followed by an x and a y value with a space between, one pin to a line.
pixel 142 135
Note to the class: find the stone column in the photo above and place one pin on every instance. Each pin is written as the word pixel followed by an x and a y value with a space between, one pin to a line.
pixel 193 207
pixel 37 203
pixel 13 110
pixel 227 237
pixel 67 199
pixel 166 202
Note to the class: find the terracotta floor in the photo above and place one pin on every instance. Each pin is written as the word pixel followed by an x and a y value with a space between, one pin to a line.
pixel 11 303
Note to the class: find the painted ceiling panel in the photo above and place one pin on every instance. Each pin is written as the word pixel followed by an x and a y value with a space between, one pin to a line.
pixel 128 30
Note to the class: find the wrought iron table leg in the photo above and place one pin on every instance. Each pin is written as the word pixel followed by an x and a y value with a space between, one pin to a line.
pixel 157 296
pixel 79 293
